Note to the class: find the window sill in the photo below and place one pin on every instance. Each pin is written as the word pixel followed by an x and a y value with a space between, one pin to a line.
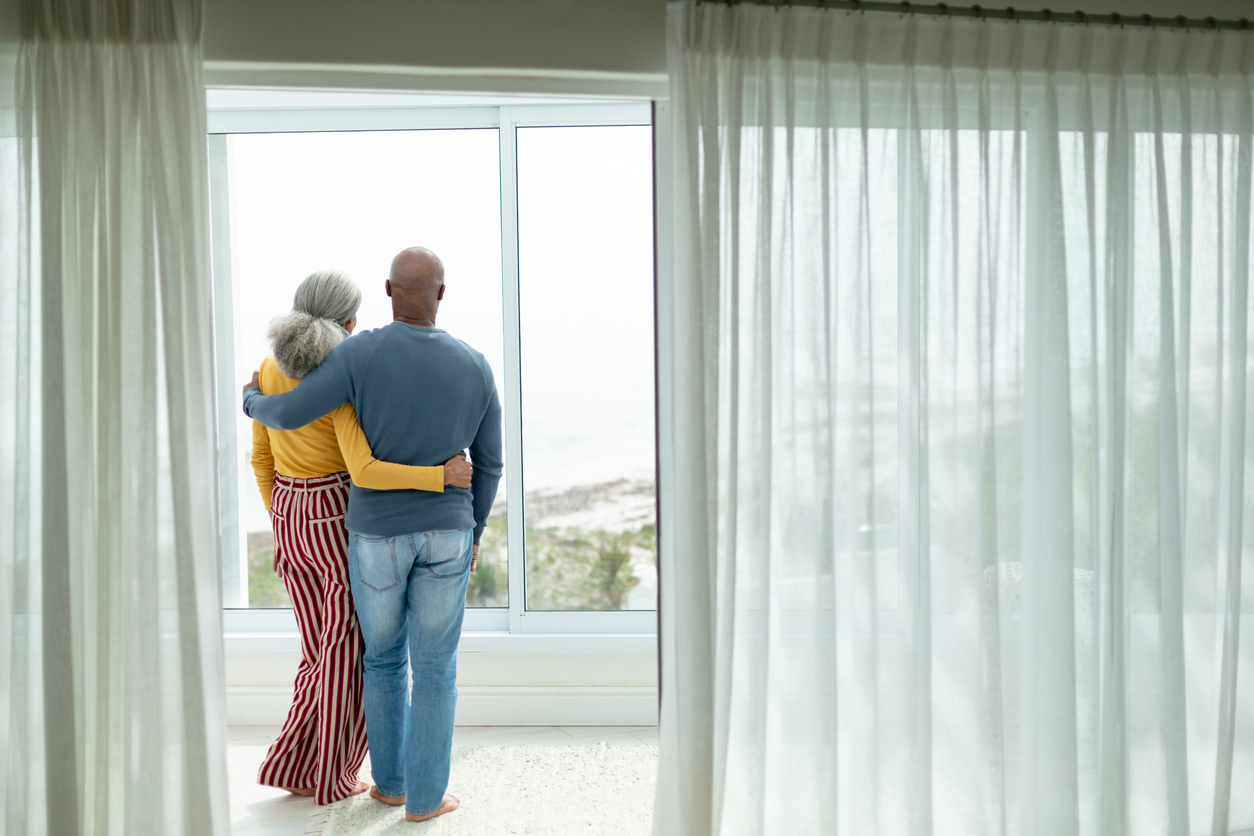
pixel 472 641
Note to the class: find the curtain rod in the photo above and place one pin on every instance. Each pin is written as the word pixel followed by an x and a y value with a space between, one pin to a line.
pixel 1043 16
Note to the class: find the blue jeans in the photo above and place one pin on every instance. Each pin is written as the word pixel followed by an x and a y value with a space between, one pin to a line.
pixel 410 593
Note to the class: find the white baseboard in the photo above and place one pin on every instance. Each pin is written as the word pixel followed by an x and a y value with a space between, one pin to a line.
pixel 257 705
pixel 484 706
pixel 556 706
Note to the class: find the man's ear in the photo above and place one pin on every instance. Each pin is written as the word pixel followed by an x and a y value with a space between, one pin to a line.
pixel 440 295
pixel 387 287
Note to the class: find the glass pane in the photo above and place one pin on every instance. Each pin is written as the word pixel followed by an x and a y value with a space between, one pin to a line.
pixel 585 221
pixel 310 201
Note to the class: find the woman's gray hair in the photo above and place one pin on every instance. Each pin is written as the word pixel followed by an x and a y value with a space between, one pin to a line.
pixel 302 339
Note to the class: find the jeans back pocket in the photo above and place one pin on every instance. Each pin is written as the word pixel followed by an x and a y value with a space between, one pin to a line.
pixel 376 562
pixel 448 552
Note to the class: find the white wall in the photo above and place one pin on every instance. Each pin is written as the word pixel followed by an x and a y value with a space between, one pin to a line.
pixel 498 689
pixel 592 46
pixel 585 37
pixel 10 18
pixel 624 36
pixel 601 47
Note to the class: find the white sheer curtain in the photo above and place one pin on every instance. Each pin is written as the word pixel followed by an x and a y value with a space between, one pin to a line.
pixel 960 322
pixel 111 716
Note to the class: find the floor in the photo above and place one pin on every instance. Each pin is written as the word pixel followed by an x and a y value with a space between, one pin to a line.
pixel 263 811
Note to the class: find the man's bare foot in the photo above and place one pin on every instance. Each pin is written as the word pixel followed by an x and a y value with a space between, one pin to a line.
pixel 301 792
pixel 386 799
pixel 450 804
pixel 361 787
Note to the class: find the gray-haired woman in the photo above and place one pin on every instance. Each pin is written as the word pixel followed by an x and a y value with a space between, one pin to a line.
pixel 304 476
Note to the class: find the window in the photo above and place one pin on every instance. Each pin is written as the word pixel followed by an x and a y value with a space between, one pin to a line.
pixel 301 202
pixel 585 242
pixel 543 215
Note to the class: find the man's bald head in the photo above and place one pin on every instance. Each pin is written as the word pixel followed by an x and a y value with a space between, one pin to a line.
pixel 416 270
pixel 416 285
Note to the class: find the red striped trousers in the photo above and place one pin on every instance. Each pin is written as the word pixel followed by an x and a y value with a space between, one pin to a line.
pixel 323 742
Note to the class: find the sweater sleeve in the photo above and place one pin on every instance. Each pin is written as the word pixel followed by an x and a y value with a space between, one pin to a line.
pixel 368 472
pixel 320 392
pixel 487 456
pixel 263 461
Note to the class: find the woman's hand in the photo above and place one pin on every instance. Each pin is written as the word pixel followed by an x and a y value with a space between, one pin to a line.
pixel 255 383
pixel 457 472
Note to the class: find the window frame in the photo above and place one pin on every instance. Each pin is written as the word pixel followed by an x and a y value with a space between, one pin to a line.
pixel 484 629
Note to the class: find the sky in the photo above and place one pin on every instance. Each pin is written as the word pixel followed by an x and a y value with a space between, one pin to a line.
pixel 352 200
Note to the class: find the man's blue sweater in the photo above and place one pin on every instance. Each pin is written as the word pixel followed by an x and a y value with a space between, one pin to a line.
pixel 421 396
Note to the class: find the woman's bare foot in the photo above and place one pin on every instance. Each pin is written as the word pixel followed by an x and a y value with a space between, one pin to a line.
pixel 301 792
pixel 361 787
pixel 450 804
pixel 386 799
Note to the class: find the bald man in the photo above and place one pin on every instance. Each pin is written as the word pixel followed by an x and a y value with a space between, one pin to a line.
pixel 421 396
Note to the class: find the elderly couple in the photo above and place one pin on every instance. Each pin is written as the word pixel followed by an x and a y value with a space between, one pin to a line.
pixel 403 537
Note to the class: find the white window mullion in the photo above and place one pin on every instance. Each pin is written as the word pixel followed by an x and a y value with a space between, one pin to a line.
pixel 230 532
pixel 301 120
pixel 516 525
pixel 615 113
pixel 663 348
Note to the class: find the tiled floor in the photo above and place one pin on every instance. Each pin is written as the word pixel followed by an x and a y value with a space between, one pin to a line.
pixel 262 811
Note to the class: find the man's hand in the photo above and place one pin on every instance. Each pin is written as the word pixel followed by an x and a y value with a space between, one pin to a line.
pixel 255 383
pixel 457 472
pixel 474 558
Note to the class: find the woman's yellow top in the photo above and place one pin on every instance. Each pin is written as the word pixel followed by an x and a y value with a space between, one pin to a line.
pixel 332 444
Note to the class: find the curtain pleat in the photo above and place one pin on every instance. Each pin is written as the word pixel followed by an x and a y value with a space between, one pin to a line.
pixel 960 361
pixel 111 691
